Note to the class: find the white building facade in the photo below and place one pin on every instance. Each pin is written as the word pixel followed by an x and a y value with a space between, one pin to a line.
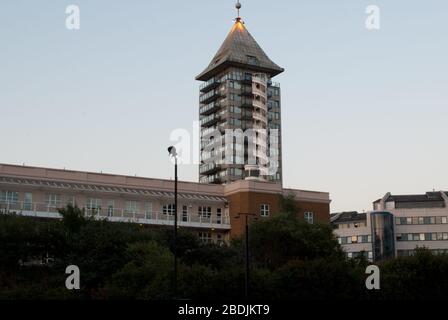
pixel 416 221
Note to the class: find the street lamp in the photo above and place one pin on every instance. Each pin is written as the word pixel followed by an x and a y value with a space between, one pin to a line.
pixel 246 287
pixel 172 152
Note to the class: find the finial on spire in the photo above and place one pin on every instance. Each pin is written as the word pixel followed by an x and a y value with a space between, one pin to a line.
pixel 238 7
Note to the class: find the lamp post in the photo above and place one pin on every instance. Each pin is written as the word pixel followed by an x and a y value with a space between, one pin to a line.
pixel 247 253
pixel 172 152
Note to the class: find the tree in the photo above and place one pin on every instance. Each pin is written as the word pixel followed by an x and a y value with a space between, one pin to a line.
pixel 276 240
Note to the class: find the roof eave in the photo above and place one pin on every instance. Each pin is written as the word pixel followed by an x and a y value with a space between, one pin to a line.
pixel 210 72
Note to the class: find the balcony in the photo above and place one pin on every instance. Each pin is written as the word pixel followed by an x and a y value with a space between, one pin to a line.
pixel 209 108
pixel 209 96
pixel 43 210
pixel 209 168
pixel 210 120
pixel 209 85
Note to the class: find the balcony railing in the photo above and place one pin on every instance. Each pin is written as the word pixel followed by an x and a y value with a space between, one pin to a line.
pixel 209 108
pixel 210 84
pixel 209 168
pixel 209 96
pixel 149 217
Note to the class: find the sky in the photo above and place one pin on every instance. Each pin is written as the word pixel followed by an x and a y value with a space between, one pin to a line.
pixel 365 112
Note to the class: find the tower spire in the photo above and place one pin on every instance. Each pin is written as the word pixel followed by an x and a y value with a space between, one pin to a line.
pixel 238 7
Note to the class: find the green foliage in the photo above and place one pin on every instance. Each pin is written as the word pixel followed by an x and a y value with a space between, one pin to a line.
pixel 146 275
pixel 290 260
pixel 279 239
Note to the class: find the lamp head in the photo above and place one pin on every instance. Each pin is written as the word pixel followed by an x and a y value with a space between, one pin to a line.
pixel 172 151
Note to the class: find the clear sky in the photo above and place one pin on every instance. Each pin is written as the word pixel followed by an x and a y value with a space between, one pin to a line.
pixel 364 112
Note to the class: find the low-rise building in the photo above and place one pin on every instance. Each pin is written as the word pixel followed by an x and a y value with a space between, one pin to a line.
pixel 211 210
pixel 406 223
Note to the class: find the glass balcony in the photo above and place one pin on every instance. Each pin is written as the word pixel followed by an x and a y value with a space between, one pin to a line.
pixel 209 108
pixel 209 85
pixel 209 96
pixel 209 168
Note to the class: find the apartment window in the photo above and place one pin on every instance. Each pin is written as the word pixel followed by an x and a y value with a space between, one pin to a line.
pixel 205 212
pixel 309 217
pixel 344 240
pixel 168 209
pixel 444 220
pixel 93 205
pixel 399 237
pixel 410 237
pixel 10 197
pixel 219 216
pixel 349 240
pixel 219 239
pixel 421 220
pixel 397 220
pixel 205 237
pixel 184 213
pixel 445 236
pixel 409 220
pixel 354 239
pixel 110 208
pixel 264 210
pixel 131 207
pixel 148 210
pixel 54 200
pixel 370 255
pixel 70 200
pixel 439 236
pixel 422 237
pixel 28 201
pixel 350 255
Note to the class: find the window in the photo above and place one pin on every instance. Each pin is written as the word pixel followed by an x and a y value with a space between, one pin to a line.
pixel 204 212
pixel 54 200
pixel 205 237
pixel 264 210
pixel 28 201
pixel 399 237
pixel 354 239
pixel 168 209
pixel 309 217
pixel 219 238
pixel 218 216
pixel 131 207
pixel 148 210
pixel 110 208
pixel 444 220
pixel 10 197
pixel 184 213
pixel 409 220
pixel 93 205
